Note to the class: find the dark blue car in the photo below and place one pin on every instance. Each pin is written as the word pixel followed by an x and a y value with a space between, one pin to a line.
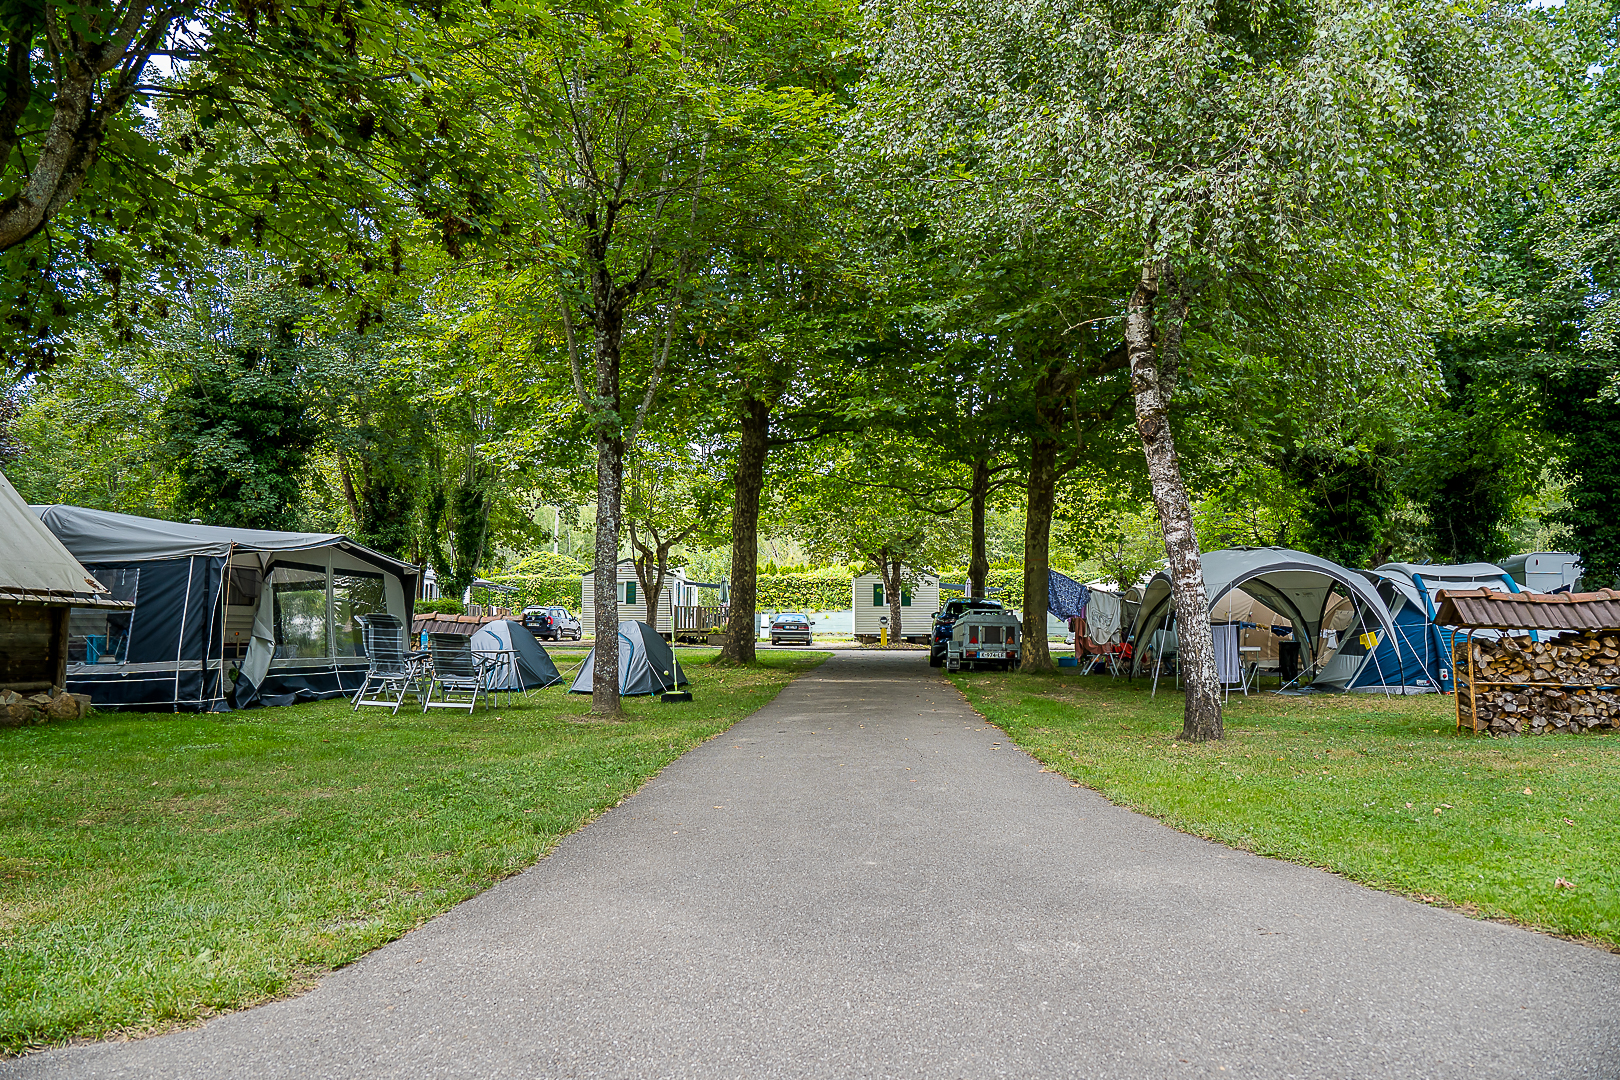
pixel 945 619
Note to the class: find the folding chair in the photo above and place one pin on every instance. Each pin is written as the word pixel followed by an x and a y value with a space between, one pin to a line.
pixel 392 673
pixel 456 671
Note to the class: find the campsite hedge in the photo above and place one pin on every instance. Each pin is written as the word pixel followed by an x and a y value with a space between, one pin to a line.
pixel 830 589
pixel 1010 580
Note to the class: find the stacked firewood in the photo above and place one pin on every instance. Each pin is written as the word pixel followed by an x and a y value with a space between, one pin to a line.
pixel 1524 687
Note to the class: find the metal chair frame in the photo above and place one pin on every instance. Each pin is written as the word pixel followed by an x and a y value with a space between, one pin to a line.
pixel 457 670
pixel 392 671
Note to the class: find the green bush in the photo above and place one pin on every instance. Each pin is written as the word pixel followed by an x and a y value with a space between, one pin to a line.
pixel 445 605
pixel 563 591
pixel 827 589
pixel 547 564
pixel 1010 580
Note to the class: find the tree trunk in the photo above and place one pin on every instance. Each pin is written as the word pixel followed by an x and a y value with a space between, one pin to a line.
pixel 1195 642
pixel 748 481
pixel 360 524
pixel 894 582
pixel 979 561
pixel 609 492
pixel 1042 492
pixel 650 562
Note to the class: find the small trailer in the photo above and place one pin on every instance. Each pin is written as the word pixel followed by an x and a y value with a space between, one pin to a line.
pixel 983 640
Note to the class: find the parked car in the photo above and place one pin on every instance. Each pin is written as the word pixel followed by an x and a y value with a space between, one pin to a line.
pixel 551 623
pixel 983 639
pixel 791 628
pixel 946 618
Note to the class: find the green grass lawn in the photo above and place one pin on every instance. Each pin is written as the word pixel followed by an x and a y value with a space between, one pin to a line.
pixel 155 868
pixel 1380 790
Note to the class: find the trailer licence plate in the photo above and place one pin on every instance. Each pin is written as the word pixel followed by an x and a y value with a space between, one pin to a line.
pixel 992 654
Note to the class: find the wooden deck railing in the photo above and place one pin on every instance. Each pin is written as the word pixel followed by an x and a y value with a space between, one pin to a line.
pixel 697 619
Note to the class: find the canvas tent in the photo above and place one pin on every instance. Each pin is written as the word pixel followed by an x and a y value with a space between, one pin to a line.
pixel 647 664
pixel 524 662
pixel 41 585
pixel 1257 625
pixel 1424 660
pixel 279 610
pixel 1290 583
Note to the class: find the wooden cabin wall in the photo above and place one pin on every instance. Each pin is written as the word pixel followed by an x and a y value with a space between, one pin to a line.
pixel 33 647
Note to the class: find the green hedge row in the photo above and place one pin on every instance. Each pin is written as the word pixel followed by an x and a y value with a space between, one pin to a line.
pixel 1010 581
pixel 536 589
pixel 814 591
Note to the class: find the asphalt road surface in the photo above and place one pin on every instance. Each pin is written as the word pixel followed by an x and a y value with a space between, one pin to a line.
pixel 865 880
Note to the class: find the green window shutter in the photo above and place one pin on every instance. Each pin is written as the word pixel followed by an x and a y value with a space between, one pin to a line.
pixel 629 592
pixel 905 597
pixel 877 594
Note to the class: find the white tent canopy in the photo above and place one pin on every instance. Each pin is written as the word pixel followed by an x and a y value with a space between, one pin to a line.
pixel 1291 583
pixel 36 565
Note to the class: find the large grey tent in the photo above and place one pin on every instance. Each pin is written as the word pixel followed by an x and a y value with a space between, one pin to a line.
pixel 1293 584
pixel 279 610
pixel 525 664
pixel 647 664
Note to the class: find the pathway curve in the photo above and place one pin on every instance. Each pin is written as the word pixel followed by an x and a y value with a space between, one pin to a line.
pixel 865 880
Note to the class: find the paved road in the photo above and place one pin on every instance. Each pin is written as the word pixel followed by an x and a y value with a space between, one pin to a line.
pixel 864 880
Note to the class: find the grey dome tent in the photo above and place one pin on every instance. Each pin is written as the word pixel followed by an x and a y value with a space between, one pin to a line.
pixel 647 664
pixel 282 608
pixel 1293 584
pixel 533 669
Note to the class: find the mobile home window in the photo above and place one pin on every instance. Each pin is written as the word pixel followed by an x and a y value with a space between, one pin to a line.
pixel 627 592
pixel 905 597
pixel 877 595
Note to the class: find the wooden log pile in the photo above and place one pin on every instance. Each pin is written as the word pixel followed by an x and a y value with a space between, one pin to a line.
pixel 1516 686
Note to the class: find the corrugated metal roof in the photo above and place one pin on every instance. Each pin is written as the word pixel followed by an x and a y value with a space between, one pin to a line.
pixel 1485 609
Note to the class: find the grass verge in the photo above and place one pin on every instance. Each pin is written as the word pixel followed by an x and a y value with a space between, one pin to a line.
pixel 157 868
pixel 1380 790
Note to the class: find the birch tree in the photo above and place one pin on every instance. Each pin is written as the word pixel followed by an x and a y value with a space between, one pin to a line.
pixel 1283 178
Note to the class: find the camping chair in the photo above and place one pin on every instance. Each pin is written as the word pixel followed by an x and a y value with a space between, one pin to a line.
pixel 392 673
pixel 456 671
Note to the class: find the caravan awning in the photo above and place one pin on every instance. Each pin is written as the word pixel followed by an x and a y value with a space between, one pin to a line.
pixel 101 536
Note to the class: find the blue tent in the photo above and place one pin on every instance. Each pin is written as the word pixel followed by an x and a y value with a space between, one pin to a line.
pixel 1423 664
pixel 524 663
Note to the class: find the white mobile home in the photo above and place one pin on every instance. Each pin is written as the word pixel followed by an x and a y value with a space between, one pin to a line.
pixel 919 599
pixel 678 592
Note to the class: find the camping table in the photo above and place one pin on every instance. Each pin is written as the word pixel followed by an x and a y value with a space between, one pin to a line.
pixel 498 663
pixel 1250 668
